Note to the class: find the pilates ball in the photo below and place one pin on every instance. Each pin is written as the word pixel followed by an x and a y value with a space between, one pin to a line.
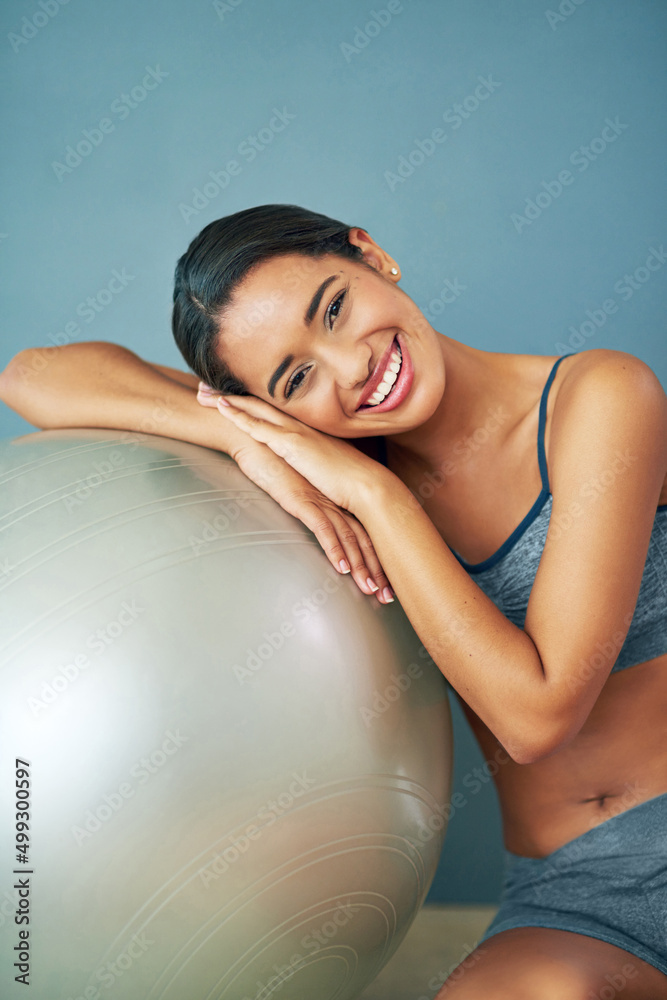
pixel 228 767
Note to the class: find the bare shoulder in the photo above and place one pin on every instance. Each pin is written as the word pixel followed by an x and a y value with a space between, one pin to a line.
pixel 609 386
pixel 603 370
pixel 608 400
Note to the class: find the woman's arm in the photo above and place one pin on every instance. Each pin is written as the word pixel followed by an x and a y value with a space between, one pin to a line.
pixel 176 375
pixel 609 426
pixel 101 384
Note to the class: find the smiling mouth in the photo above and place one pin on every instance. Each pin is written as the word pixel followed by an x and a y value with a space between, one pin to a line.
pixel 384 390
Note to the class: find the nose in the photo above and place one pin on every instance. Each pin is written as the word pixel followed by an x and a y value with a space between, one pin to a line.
pixel 351 365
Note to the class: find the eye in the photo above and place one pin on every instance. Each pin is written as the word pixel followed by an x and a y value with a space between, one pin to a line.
pixel 332 314
pixel 294 383
pixel 334 309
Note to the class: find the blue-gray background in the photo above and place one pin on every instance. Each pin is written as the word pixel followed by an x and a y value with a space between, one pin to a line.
pixel 353 102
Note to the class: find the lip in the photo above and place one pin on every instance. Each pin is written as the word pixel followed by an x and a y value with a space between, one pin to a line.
pixel 401 386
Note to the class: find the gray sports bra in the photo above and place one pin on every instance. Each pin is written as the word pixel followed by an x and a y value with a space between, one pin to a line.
pixel 507 576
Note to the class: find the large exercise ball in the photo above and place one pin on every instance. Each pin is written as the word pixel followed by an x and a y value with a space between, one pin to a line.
pixel 236 765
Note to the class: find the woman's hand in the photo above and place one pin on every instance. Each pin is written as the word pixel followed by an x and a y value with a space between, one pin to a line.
pixel 337 530
pixel 334 466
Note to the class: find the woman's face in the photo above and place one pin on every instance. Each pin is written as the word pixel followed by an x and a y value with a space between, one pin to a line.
pixel 313 336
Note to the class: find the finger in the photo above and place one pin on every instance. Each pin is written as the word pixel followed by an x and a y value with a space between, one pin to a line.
pixel 247 421
pixel 338 549
pixel 207 399
pixel 342 537
pixel 280 440
pixel 360 553
pixel 258 409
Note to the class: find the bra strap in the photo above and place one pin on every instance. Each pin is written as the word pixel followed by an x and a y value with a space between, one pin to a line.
pixel 541 456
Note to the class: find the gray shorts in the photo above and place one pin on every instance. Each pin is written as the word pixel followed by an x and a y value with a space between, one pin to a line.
pixel 609 883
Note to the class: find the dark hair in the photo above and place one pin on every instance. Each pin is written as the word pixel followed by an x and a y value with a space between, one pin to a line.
pixel 221 256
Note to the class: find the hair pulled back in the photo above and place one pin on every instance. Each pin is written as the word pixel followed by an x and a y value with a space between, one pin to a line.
pixel 221 256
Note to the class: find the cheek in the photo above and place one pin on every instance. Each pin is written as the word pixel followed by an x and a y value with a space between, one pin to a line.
pixel 320 417
pixel 317 421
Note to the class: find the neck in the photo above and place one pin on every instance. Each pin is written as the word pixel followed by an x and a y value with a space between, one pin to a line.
pixel 471 383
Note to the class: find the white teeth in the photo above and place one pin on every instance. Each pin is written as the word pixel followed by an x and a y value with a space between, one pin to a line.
pixel 388 379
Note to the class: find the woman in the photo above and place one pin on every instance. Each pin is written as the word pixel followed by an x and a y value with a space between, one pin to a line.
pixel 520 517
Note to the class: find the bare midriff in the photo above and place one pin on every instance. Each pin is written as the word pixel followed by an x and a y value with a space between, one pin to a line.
pixel 618 759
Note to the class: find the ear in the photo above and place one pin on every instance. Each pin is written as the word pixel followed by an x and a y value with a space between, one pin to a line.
pixel 373 253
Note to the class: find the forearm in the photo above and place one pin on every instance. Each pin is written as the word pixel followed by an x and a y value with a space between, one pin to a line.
pixel 97 384
pixel 491 663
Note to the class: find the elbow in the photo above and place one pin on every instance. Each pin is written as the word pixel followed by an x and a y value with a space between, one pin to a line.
pixel 10 379
pixel 16 373
pixel 17 384
pixel 545 724
pixel 530 753
pixel 540 740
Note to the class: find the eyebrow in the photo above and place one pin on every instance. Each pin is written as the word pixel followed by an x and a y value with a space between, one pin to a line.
pixel 308 319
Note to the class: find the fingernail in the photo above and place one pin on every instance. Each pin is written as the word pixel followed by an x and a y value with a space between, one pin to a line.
pixel 343 566
pixel 372 585
pixel 387 594
pixel 223 402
